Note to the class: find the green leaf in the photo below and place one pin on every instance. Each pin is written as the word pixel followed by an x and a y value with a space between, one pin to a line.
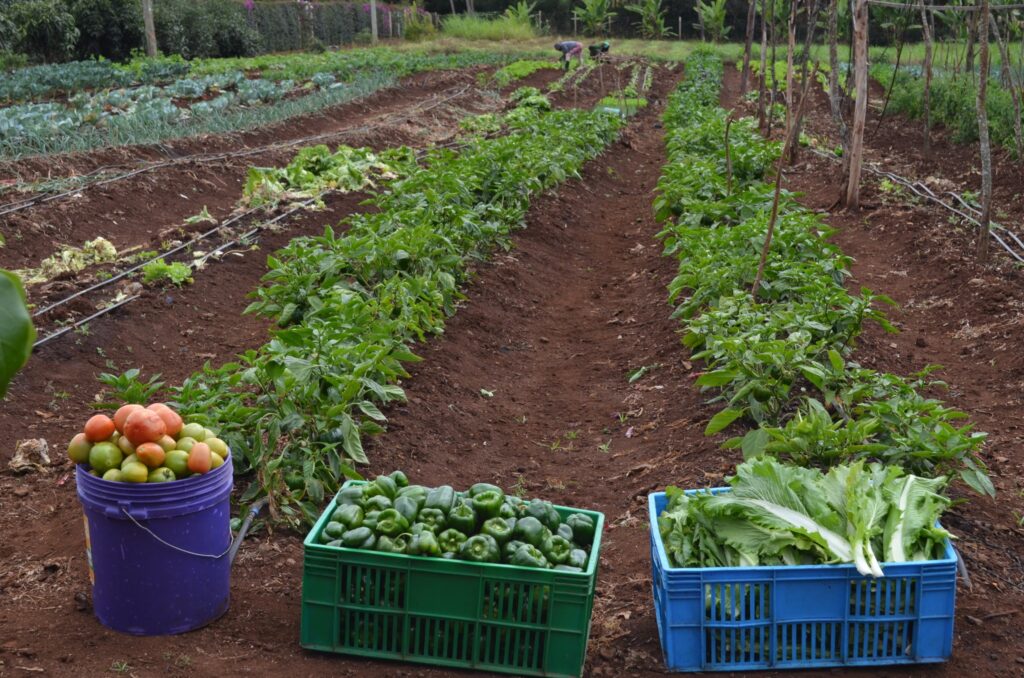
pixel 371 410
pixel 978 481
pixel 754 443
pixel 722 420
pixel 16 331
pixel 351 440
pixel 717 378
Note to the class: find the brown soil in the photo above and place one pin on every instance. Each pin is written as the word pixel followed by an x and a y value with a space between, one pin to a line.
pixel 951 313
pixel 124 213
pixel 552 328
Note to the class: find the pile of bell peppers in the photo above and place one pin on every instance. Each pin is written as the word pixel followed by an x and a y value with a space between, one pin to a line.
pixel 482 524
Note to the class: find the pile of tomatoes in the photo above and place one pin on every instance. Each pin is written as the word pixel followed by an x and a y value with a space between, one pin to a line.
pixel 146 445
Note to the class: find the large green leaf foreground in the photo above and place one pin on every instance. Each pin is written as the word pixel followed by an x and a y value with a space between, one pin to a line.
pixel 778 514
pixel 16 331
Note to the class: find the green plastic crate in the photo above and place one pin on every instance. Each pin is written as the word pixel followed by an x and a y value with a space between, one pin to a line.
pixel 486 616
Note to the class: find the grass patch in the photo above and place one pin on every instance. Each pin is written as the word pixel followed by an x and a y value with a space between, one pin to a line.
pixel 476 28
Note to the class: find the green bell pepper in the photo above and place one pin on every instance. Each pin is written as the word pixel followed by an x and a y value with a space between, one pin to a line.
pixel 487 504
pixel 577 558
pixel 433 517
pixel 333 530
pixel 484 487
pixel 557 550
pixel 350 515
pixel 424 544
pixel 382 486
pixel 401 480
pixel 565 532
pixel 528 556
pixel 509 549
pixel 463 518
pixel 391 523
pixel 531 531
pixel 583 528
pixel 497 528
pixel 353 494
pixel 507 510
pixel 442 498
pixel 386 544
pixel 359 538
pixel 568 568
pixel 418 493
pixel 449 555
pixel 378 503
pixel 451 540
pixel 545 512
pixel 407 507
pixel 370 520
pixel 480 549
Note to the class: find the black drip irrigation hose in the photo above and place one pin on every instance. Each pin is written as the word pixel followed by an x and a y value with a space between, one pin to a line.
pixel 921 190
pixel 245 236
pixel 243 529
pixel 213 157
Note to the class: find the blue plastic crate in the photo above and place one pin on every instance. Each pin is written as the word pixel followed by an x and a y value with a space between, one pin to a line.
pixel 743 618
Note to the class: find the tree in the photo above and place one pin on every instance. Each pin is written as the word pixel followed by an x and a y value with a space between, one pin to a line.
pixel 16 332
pixel 594 15
pixel 983 140
pixel 652 19
pixel 712 17
pixel 860 109
pixel 147 19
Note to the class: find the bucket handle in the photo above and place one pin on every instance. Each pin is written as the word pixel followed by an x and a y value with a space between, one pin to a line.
pixel 169 545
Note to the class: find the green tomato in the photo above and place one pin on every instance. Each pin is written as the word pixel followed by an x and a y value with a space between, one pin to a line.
pixel 161 475
pixel 218 447
pixel 177 462
pixel 135 472
pixel 186 443
pixel 105 456
pixel 113 475
pixel 194 431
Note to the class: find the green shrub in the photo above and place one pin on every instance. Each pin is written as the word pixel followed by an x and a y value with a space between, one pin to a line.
pixel 478 28
pixel 107 28
pixel 417 25
pixel 205 28
pixel 45 29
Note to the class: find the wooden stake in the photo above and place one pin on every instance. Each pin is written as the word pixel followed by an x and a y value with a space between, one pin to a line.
pixel 860 109
pixel 983 140
pixel 775 207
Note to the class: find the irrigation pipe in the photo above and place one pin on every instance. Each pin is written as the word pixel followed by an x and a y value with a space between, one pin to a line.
pixel 213 157
pixel 921 190
pixel 126 272
pixel 248 234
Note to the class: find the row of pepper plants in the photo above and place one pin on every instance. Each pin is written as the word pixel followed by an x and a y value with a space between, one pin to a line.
pixel 844 463
pixel 785 360
pixel 349 305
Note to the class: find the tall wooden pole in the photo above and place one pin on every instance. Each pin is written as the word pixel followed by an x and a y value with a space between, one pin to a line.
pixel 748 41
pixel 926 105
pixel 373 22
pixel 983 140
pixel 860 108
pixel 147 20
pixel 762 92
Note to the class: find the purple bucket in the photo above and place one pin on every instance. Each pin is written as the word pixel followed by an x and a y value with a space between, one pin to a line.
pixel 158 552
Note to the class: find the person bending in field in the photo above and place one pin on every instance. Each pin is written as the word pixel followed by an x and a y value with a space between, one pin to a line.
pixel 570 49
